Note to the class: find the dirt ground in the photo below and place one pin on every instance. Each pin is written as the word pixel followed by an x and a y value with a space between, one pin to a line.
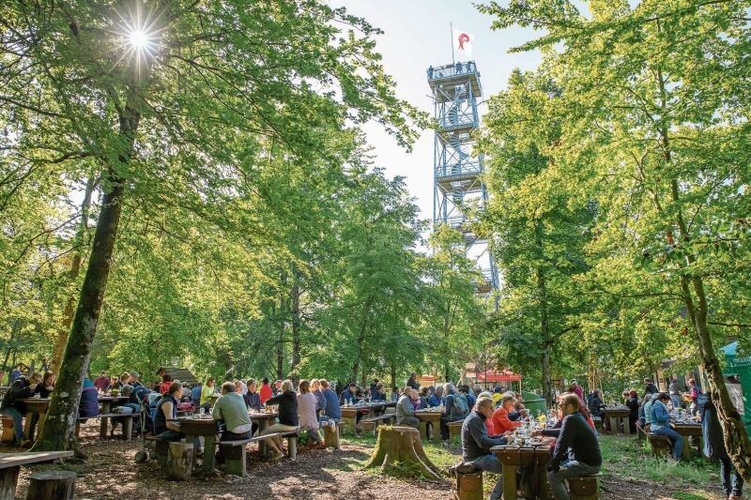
pixel 110 472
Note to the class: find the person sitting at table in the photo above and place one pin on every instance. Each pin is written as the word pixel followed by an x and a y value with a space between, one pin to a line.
pixel 660 425
pixel 288 419
pixel 315 389
pixel 265 391
pixel 206 393
pixel 165 427
pixel 332 410
pixel 277 388
pixel 476 443
pixel 349 395
pixel 501 422
pixel 423 399
pixel 577 451
pixel 714 448
pixel 102 381
pixel 405 409
pixel 21 388
pixel 166 384
pixel 595 403
pixel 43 389
pixel 641 416
pixel 457 409
pixel 252 398
pixel 378 394
pixel 231 411
pixel 89 404
pixel 395 394
pixel 306 411
pixel 195 394
pixel 436 399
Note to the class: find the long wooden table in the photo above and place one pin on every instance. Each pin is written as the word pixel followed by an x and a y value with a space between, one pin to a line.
pixel 10 466
pixel 533 457
pixel 201 427
pixel 433 417
pixel 618 415
pixel 263 419
pixel 688 429
pixel 34 406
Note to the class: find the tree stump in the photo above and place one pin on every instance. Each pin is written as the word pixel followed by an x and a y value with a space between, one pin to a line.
pixel 52 485
pixel 8 432
pixel 331 436
pixel 180 460
pixel 399 450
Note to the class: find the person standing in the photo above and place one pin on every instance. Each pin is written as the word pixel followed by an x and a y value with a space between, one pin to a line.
pixel 206 392
pixel 577 452
pixel 476 443
pixel 649 387
pixel 412 381
pixel 694 391
pixel 714 447
pixel 675 394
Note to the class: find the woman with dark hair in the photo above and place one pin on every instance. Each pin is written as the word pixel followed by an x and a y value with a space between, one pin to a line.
pixel 288 418
pixel 633 404
pixel 714 447
pixel 166 383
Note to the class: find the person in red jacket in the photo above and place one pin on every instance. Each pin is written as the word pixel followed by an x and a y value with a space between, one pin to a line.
pixel 501 422
pixel 265 392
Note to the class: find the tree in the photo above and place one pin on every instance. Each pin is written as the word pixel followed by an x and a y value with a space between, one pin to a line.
pixel 655 131
pixel 178 106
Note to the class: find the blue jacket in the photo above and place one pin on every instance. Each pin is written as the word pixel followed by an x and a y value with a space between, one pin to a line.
pixel 660 415
pixel 348 396
pixel 434 400
pixel 89 405
pixel 332 409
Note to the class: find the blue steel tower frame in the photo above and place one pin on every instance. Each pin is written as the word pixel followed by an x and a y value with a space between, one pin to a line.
pixel 457 174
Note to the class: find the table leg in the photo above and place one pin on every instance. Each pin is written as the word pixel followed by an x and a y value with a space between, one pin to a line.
pixel 424 429
pixel 208 454
pixel 686 447
pixel 541 473
pixel 613 425
pixel 262 448
pixel 509 482
pixel 8 482
pixel 436 430
pixel 104 421
pixel 27 425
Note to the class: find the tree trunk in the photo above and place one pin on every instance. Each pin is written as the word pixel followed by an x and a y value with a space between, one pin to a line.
pixel 296 324
pixel 75 269
pixel 59 429
pixel 542 292
pixel 399 451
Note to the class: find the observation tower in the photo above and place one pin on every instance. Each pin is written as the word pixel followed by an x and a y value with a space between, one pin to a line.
pixel 457 174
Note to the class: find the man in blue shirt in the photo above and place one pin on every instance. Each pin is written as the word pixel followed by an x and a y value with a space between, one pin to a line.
pixel 332 410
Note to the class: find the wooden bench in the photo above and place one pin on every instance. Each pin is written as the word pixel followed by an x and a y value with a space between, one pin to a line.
pixel 584 487
pixel 10 466
pixel 468 485
pixel 660 445
pixel 127 422
pixel 373 422
pixel 162 449
pixel 8 433
pixel 455 428
pixel 235 462
pixel 598 423
pixel 641 433
pixel 291 443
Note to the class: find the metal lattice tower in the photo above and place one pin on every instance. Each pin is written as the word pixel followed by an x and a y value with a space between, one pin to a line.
pixel 456 173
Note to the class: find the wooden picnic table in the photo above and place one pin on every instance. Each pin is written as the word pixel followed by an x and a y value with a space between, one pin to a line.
pixel 687 429
pixel 618 415
pixel 10 466
pixel 263 419
pixel 534 457
pixel 201 427
pixel 433 417
pixel 34 406
pixel 106 407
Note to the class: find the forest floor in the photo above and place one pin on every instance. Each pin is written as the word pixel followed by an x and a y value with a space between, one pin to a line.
pixel 110 472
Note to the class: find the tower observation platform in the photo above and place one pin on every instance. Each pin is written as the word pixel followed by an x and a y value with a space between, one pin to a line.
pixel 457 173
